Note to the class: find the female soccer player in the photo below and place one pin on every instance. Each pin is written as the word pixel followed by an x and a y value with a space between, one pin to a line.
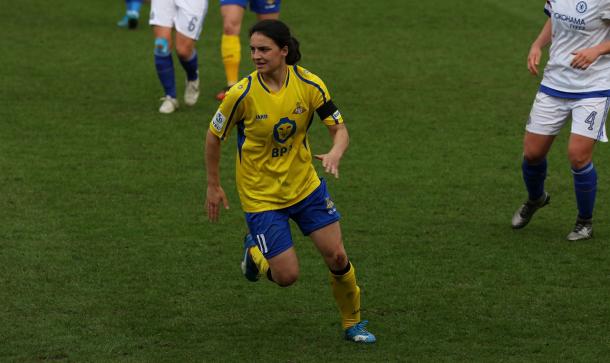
pixel 232 12
pixel 272 110
pixel 186 16
pixel 576 84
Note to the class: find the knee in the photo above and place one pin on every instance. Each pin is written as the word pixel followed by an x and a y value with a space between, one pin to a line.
pixel 337 261
pixel 533 157
pixel 285 280
pixel 231 27
pixel 577 159
pixel 184 51
pixel 162 47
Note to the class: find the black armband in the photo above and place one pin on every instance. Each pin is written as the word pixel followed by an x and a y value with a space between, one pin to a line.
pixel 326 110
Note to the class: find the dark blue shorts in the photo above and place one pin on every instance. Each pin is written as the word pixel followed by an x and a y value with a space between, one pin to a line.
pixel 271 229
pixel 257 6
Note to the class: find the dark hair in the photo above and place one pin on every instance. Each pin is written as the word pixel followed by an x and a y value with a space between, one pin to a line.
pixel 280 34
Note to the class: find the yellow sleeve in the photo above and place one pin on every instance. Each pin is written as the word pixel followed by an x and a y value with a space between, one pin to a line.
pixel 230 110
pixel 320 99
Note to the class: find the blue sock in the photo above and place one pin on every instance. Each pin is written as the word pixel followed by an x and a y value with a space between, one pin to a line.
pixel 190 66
pixel 585 186
pixel 133 5
pixel 533 176
pixel 165 71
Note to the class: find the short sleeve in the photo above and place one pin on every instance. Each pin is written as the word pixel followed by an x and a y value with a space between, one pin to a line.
pixel 548 8
pixel 230 110
pixel 604 9
pixel 319 97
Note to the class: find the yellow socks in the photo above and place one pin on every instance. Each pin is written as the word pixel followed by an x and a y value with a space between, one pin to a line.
pixel 230 49
pixel 259 260
pixel 347 295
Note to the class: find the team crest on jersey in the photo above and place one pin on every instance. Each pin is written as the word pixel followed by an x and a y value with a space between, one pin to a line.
pixel 581 7
pixel 284 130
pixel 298 109
pixel 218 121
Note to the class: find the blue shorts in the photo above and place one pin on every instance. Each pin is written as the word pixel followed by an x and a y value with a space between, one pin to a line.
pixel 257 6
pixel 271 229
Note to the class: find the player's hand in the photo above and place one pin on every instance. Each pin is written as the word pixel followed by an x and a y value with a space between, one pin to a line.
pixel 215 197
pixel 583 58
pixel 533 59
pixel 330 163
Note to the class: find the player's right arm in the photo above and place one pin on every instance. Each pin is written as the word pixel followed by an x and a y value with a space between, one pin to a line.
pixel 215 195
pixel 543 39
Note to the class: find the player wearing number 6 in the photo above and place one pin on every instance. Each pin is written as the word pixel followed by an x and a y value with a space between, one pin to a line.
pixel 576 85
pixel 186 16
pixel 272 109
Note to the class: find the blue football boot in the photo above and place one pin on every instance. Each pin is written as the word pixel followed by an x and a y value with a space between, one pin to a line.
pixel 248 267
pixel 124 22
pixel 358 333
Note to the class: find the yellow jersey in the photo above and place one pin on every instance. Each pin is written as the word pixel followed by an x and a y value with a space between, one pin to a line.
pixel 273 163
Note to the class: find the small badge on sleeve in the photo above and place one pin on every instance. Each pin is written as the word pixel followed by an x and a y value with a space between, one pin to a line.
pixel 336 115
pixel 219 121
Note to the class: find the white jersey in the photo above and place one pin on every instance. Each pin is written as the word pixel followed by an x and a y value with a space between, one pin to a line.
pixel 577 24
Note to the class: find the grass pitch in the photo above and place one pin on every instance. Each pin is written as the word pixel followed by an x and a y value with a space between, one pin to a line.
pixel 106 255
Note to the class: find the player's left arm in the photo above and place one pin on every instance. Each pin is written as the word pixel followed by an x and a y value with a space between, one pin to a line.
pixel 331 160
pixel 583 58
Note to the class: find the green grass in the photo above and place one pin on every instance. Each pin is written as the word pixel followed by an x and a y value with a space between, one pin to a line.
pixel 106 254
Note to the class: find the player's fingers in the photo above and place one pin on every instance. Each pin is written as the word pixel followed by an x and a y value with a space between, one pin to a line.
pixel 225 202
pixel 319 157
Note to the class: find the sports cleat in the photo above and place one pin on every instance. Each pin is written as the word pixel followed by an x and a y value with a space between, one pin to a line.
pixel 583 230
pixel 169 104
pixel 358 333
pixel 191 93
pixel 524 214
pixel 221 95
pixel 132 19
pixel 124 22
pixel 248 267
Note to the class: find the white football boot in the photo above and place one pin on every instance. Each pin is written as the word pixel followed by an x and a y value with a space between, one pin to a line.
pixel 168 105
pixel 191 93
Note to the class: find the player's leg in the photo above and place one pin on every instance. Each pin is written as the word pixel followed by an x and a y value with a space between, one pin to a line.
pixel 588 127
pixel 232 12
pixel 318 218
pixel 546 118
pixel 132 14
pixel 268 248
pixel 189 22
pixel 343 281
pixel 165 68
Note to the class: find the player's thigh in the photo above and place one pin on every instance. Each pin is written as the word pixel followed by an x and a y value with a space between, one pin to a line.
pixel 190 17
pixel 284 267
pixel 232 15
pixel 589 117
pixel 536 147
pixel 162 13
pixel 548 114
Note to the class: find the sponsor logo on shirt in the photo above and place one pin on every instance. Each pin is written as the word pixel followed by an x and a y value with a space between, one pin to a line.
pixel 574 23
pixel 219 121
pixel 298 109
